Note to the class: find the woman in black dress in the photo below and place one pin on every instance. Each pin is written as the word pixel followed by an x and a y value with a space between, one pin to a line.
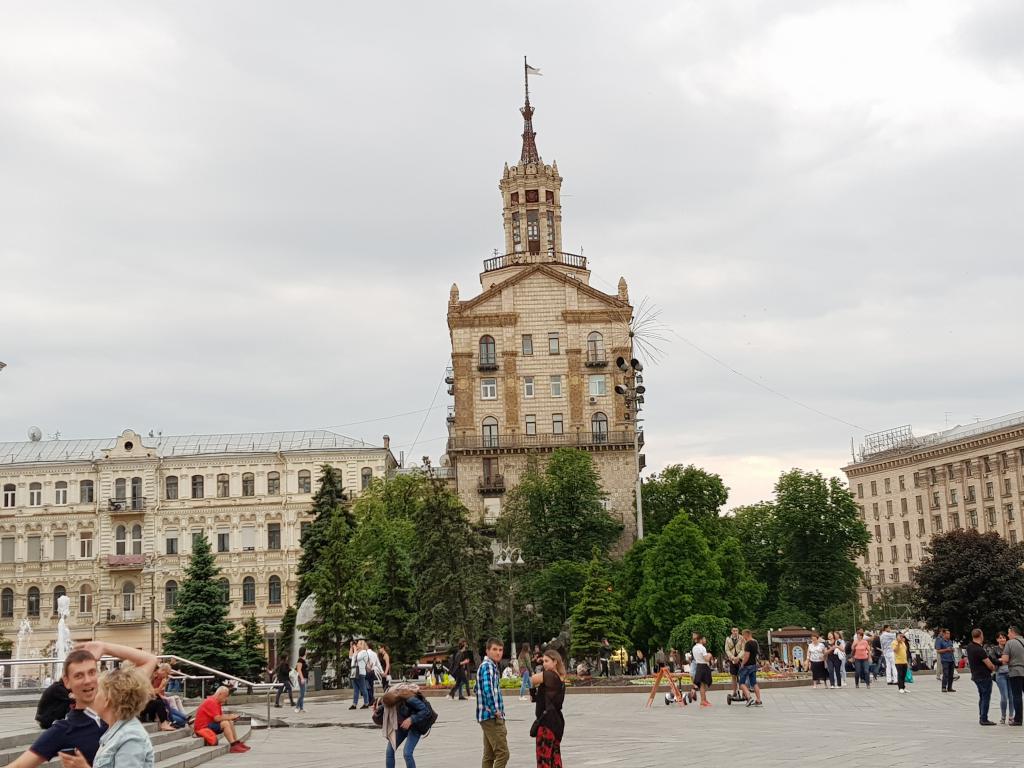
pixel 549 692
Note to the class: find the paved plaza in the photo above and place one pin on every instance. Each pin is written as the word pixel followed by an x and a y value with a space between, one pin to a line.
pixel 796 725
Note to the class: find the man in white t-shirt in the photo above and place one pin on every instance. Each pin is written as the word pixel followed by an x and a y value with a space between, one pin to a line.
pixel 887 637
pixel 702 668
pixel 373 670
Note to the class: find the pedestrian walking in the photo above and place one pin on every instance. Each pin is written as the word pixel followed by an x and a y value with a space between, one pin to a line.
pixel 861 650
pixel 403 719
pixel 282 675
pixel 549 725
pixel 944 650
pixel 816 656
pixel 832 661
pixel 886 639
pixel 981 673
pixel 373 670
pixel 900 659
pixel 605 653
pixel 358 659
pixel 461 660
pixel 490 708
pixel 1013 657
pixel 1002 678
pixel 385 671
pixel 701 668
pixel 524 671
pixel 877 660
pixel 302 672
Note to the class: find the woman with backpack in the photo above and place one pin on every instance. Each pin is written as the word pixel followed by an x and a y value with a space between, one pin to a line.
pixel 405 717
pixel 549 693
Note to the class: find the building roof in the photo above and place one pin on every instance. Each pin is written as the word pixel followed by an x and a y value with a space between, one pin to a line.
pixel 903 441
pixel 180 445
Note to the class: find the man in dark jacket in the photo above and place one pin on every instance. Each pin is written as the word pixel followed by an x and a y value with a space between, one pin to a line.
pixel 282 676
pixel 54 704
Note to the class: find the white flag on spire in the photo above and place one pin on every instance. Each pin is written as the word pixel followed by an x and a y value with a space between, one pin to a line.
pixel 532 70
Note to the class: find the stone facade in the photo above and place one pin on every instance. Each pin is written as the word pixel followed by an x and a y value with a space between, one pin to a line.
pixel 533 356
pixel 110 524
pixel 909 489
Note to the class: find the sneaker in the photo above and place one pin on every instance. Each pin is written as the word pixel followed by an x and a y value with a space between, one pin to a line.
pixel 238 748
pixel 365 706
pixel 705 703
pixel 750 702
pixel 902 690
pixel 756 704
pixel 352 707
pixel 986 722
pixel 1002 720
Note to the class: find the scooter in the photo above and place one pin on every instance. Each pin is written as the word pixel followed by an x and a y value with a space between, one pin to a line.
pixel 737 697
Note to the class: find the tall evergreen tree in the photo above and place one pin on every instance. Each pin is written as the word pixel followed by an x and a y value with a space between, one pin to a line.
pixel 328 499
pixel 335 585
pixel 199 629
pixel 598 613
pixel 252 660
pixel 284 644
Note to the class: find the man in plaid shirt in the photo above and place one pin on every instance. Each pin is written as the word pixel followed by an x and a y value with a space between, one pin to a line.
pixel 490 708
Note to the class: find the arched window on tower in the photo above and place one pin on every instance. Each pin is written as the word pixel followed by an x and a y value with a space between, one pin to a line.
pixel 170 595
pixel 274 590
pixel 599 427
pixel 32 606
pixel 136 539
pixel 171 487
pixel 58 592
pixel 490 432
pixel 128 600
pixel 488 353
pixel 248 591
pixel 595 348
pixel 120 540
pixel 85 598
pixel 7 603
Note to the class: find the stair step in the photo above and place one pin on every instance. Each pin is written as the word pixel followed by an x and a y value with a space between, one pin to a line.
pixel 200 753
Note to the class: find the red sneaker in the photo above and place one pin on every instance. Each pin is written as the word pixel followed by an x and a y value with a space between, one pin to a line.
pixel 238 748
pixel 705 703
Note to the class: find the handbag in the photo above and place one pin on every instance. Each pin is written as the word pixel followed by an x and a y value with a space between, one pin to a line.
pixel 534 728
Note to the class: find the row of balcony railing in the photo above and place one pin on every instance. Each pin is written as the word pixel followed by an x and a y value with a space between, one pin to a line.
pixel 578 439
pixel 523 258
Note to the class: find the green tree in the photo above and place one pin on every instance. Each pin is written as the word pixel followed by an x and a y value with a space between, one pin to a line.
pixel 713 628
pixel 597 614
pixel 845 616
pixel 629 578
pixel 252 661
pixel 287 636
pixel 698 493
pixel 757 527
pixel 328 500
pixel 895 605
pixel 971 579
pixel 552 591
pixel 743 592
pixel 335 585
pixel 199 629
pixel 786 615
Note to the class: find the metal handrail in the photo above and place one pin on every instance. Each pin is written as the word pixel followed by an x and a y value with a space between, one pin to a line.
pixel 270 688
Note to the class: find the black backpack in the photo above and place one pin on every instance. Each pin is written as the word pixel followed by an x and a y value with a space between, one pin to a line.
pixel 423 727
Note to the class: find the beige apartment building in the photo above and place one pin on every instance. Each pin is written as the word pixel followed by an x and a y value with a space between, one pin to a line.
pixel 533 356
pixel 909 488
pixel 110 524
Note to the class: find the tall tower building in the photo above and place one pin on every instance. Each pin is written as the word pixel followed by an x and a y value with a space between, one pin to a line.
pixel 533 355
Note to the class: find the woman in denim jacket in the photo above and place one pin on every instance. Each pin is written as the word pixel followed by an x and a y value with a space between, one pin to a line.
pixel 120 696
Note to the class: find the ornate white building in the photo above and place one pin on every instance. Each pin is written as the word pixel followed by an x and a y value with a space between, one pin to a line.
pixel 110 523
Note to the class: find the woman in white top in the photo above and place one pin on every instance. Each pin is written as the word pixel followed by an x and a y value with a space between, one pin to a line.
pixel 816 656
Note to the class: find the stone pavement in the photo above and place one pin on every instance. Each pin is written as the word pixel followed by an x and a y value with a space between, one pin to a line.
pixel 796 725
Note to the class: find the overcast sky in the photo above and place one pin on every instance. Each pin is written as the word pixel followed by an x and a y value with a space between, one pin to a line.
pixel 246 216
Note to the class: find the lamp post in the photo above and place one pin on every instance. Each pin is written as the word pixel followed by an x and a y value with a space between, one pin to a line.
pixel 507 559
pixel 151 570
pixel 632 391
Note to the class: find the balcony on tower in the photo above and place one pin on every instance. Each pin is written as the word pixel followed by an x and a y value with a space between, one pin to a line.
pixel 451 414
pixel 127 506
pixel 521 258
pixel 490 484
pixel 126 562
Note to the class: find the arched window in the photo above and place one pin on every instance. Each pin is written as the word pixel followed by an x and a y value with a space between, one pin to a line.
pixel 60 492
pixel 10 495
pixel 488 351
pixel 120 488
pixel 273 483
pixel 248 591
pixel 120 540
pixel 225 590
pixel 197 486
pixel 366 477
pixel 7 603
pixel 274 590
pixel 170 595
pixel 171 487
pixel 58 593
pixel 35 494
pixel 85 599
pixel 136 493
pixel 599 426
pixel 32 606
pixel 595 348
pixel 490 432
pixel 86 492
pixel 248 484
pixel 128 600
pixel 223 486
pixel 305 481
pixel 136 539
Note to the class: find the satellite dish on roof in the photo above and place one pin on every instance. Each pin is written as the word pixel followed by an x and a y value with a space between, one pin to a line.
pixel 35 434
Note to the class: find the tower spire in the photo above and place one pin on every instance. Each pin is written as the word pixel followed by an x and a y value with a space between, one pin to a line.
pixel 529 154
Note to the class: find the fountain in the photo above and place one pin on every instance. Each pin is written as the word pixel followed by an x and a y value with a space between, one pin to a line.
pixel 24 632
pixel 63 645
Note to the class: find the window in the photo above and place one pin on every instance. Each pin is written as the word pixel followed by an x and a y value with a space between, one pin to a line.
pixel 888 485
pixel 225 590
pixel 128 600
pixel 892 531
pixel 878 533
pixel 1013 537
pixel 528 386
pixel 950 474
pixel 32 605
pixel 274 590
pixel 917 480
pixel 35 494
pixel 86 492
pixel 908 551
pixel 531 424
pixel 903 506
pixel 7 603
pixel 906 528
pixel 273 535
pixel 556 424
pixel 596 384
pixel 58 592
pixel 223 541
pixel 932 475
pixel 919 503
pixel 1008 509
pixel 303 527
pixel 248 484
pixel 492 509
pixel 10 495
pixel 85 599
pixel 488 351
pixel 894 554
pixel 878 555
pixel 860 490
pixel 120 486
pixel 136 539
pixel 171 542
pixel 986 463
pixel 488 389
pixel 903 483
pixel 171 488
pixel 365 477
pixel 874 509
pixel 223 486
pixel 120 540
pixel 881 577
pixel 170 595
pixel 197 486
pixel 953 496
pixel 937 524
pixel 971 493
pixel 556 386
pixel 595 348
pixel 305 481
pixel 867 555
pixel 60 493
pixel 888 508
pixel 85 545
pixel 599 426
pixel 969 468
pixel 527 345
pixel 1006 487
pixel 990 512
pixel 920 526
pixel 491 473
pixel 874 487
pixel 7 549
pixel 248 591
pixel 136 492
pixel 273 484
pixel 60 547
pixel 988 490
pixel 552 343
pixel 935 499
pixel 955 520
pixel 896 575
pixel 490 432
pixel 248 536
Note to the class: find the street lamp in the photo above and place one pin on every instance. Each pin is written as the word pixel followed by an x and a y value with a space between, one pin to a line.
pixel 151 570
pixel 507 559
pixel 632 390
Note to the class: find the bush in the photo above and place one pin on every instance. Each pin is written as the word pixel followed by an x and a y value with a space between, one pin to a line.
pixel 714 628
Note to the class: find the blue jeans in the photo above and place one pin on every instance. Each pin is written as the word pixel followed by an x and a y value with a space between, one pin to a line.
pixel 302 693
pixel 862 672
pixel 525 685
pixel 285 687
pixel 411 739
pixel 461 681
pixel 359 686
pixel 947 677
pixel 1005 700
pixel 984 697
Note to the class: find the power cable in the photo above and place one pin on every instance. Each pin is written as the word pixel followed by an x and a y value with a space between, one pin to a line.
pixel 426 415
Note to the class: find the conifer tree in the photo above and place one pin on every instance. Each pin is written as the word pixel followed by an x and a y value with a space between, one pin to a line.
pixel 251 658
pixel 284 644
pixel 598 614
pixel 328 499
pixel 338 591
pixel 199 628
